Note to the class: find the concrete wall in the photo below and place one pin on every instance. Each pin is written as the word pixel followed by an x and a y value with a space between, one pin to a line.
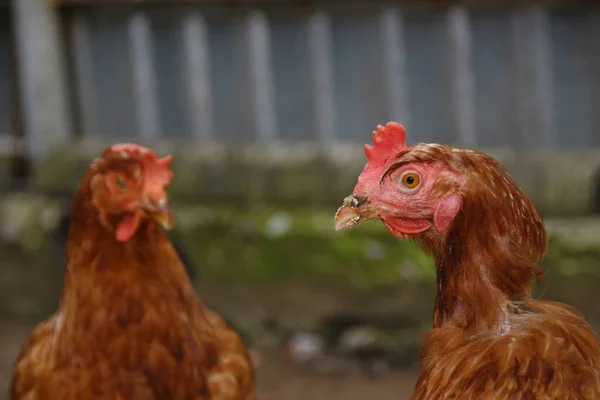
pixel 559 183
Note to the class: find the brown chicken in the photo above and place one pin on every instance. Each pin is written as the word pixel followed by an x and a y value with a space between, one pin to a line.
pixel 489 340
pixel 129 325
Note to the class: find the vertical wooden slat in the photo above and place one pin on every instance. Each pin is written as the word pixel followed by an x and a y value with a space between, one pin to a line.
pixel 143 75
pixel 460 76
pixel 84 75
pixel 533 83
pixel 42 77
pixel 321 65
pixel 197 72
pixel 395 73
pixel 260 74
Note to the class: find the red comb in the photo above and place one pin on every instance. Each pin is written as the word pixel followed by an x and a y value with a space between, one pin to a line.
pixel 131 149
pixel 387 141
pixel 157 170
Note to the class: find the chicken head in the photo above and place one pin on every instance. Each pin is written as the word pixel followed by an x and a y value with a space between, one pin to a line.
pixel 129 186
pixel 435 193
pixel 410 195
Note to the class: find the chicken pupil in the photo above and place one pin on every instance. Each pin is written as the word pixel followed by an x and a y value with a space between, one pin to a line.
pixel 121 182
pixel 410 180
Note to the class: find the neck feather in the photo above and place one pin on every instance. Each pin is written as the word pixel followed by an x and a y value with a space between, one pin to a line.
pixel 486 261
pixel 119 281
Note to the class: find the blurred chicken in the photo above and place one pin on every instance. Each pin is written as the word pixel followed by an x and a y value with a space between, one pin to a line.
pixel 489 340
pixel 129 325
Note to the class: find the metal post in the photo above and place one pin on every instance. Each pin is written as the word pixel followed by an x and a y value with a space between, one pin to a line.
pixel 533 83
pixel 396 75
pixel 594 34
pixel 260 74
pixel 461 77
pixel 47 118
pixel 197 70
pixel 84 75
pixel 321 65
pixel 143 76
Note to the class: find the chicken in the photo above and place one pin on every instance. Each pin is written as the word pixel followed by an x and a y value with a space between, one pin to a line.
pixel 490 339
pixel 129 325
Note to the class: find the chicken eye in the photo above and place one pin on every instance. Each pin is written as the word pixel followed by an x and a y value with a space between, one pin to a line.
pixel 410 180
pixel 121 183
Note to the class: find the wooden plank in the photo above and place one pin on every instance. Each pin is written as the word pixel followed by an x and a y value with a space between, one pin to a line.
pixel 396 83
pixel 84 75
pixel 143 75
pixel 533 79
pixel 42 81
pixel 260 74
pixel 461 76
pixel 321 68
pixel 197 71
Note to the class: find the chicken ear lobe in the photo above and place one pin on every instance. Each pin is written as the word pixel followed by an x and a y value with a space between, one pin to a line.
pixel 445 212
pixel 127 227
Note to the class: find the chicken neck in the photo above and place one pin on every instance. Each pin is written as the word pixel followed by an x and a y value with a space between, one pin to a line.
pixel 113 288
pixel 480 273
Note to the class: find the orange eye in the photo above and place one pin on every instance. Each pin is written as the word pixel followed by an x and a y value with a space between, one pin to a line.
pixel 410 180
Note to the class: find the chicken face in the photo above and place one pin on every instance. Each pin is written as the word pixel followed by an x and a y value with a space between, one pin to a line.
pixel 406 188
pixel 129 187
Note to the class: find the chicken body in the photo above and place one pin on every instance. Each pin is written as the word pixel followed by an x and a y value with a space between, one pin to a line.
pixel 490 339
pixel 129 325
pixel 547 352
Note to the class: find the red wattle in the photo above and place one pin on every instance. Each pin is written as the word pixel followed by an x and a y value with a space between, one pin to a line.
pixel 407 226
pixel 127 227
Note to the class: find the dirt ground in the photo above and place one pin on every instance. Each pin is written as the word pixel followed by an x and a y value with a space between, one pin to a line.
pixel 278 378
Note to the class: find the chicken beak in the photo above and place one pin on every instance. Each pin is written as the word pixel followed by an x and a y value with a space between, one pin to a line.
pixel 352 212
pixel 160 212
pixel 163 217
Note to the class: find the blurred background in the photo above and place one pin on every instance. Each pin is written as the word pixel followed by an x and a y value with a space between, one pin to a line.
pixel 265 106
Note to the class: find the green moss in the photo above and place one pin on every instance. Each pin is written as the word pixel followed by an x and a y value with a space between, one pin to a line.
pixel 241 247
pixel 268 248
pixel 562 254
pixel 260 245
